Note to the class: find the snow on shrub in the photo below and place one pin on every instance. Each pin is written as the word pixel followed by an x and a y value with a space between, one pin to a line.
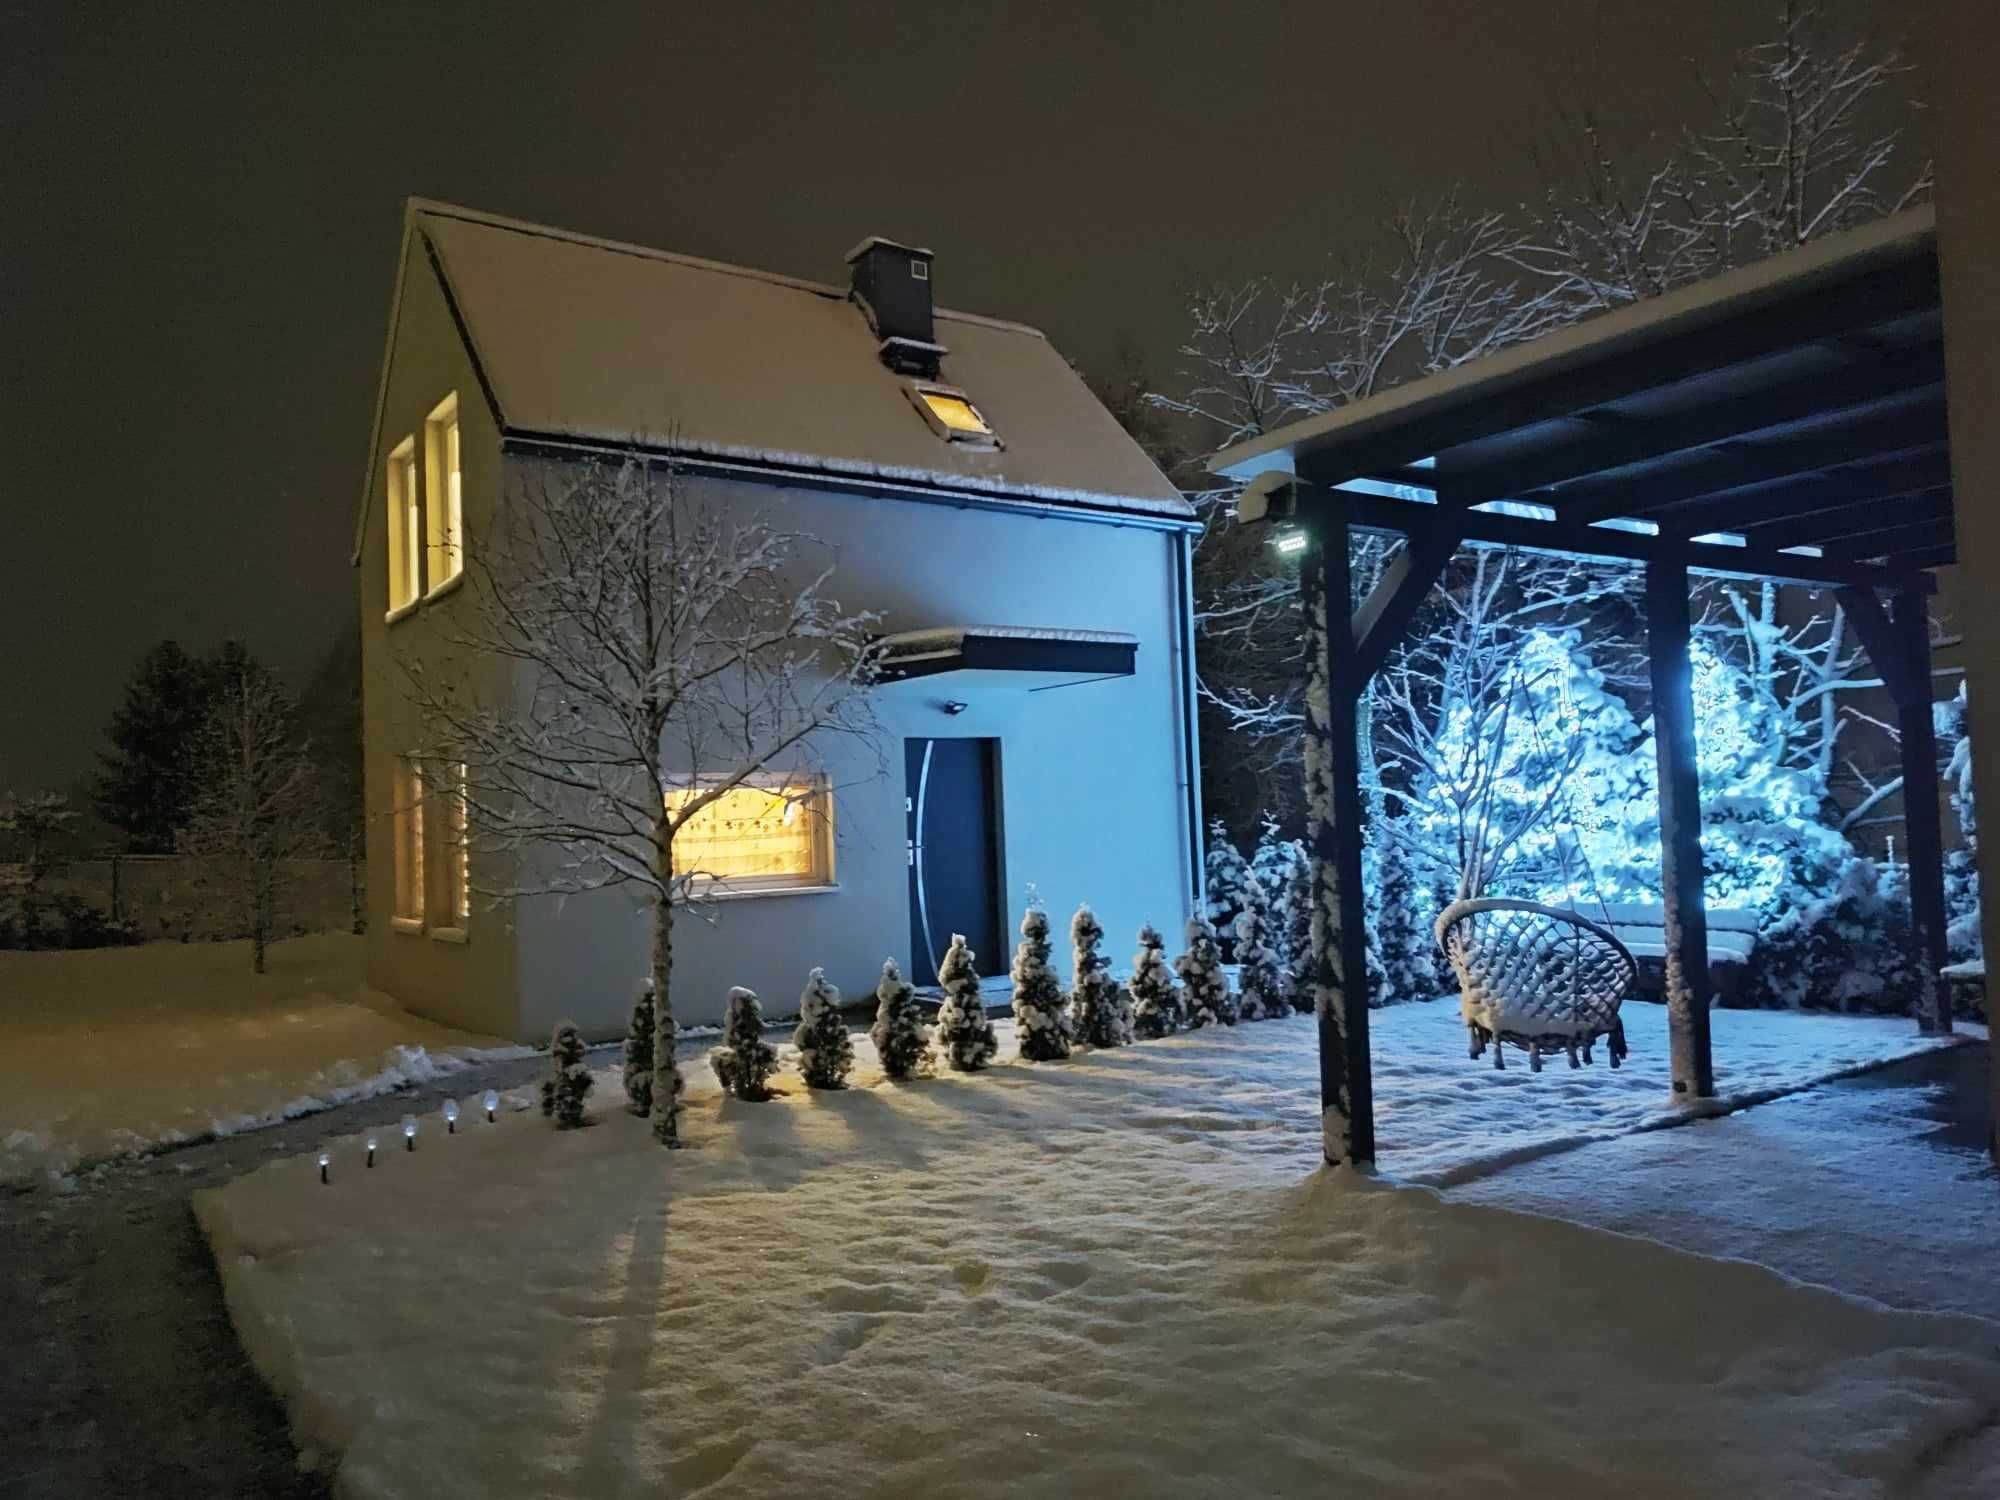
pixel 1263 993
pixel 1208 1001
pixel 901 1038
pixel 1225 873
pixel 639 1053
pixel 826 1051
pixel 744 1062
pixel 569 1078
pixel 964 1034
pixel 1097 1002
pixel 1156 999
pixel 1041 1010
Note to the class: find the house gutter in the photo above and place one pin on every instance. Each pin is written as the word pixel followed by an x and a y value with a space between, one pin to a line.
pixel 1182 544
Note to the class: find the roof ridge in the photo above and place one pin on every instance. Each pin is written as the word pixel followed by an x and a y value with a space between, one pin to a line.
pixel 437 208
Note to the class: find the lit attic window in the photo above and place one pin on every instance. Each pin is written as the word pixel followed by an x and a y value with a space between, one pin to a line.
pixel 952 415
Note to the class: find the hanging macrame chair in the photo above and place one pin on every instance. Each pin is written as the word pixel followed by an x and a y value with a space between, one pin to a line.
pixel 1545 978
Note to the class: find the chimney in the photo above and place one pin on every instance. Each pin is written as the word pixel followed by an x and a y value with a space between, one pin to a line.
pixel 892 285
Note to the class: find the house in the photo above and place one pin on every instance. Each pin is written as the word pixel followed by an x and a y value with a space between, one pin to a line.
pixel 1029 565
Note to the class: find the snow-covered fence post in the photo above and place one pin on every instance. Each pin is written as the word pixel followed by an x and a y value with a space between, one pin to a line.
pixel 1687 985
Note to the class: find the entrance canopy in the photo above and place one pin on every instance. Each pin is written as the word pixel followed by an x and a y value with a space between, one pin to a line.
pixel 1008 655
pixel 1783 421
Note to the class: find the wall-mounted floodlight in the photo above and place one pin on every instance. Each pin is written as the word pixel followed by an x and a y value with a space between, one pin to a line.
pixel 1291 541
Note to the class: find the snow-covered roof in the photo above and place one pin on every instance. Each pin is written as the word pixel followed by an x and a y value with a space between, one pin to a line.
pixel 594 341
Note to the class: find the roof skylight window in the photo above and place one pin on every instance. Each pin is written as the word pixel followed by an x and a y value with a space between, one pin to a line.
pixel 952 416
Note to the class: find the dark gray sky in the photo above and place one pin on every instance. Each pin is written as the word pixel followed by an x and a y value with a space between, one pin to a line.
pixel 202 202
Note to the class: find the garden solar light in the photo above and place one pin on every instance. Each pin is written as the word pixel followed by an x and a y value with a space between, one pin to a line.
pixel 325 1161
pixel 409 1132
pixel 371 1150
pixel 492 1102
pixel 451 1117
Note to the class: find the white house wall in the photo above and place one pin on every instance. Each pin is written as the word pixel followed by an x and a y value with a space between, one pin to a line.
pixel 1093 795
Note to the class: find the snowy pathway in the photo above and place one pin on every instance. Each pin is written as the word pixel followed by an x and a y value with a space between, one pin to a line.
pixel 1119 1271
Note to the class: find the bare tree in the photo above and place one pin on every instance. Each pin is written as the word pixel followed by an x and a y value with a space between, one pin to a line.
pixel 257 802
pixel 653 653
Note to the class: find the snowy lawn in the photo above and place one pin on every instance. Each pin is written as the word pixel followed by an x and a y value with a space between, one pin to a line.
pixel 1118 1273
pixel 108 1050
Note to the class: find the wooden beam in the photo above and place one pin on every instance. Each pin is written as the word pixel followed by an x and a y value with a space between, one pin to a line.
pixel 1386 613
pixel 1484 528
pixel 1901 474
pixel 1807 528
pixel 1863 390
pixel 1922 823
pixel 1880 541
pixel 1879 638
pixel 1688 992
pixel 1333 813
pixel 1919 560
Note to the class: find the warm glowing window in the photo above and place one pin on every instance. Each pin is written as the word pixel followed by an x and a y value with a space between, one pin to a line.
pixel 408 819
pixel 449 855
pixel 405 582
pixel 446 532
pixel 958 415
pixel 774 835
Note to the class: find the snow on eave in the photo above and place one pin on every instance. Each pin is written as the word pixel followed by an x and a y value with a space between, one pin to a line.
pixel 382 386
pixel 941 640
pixel 1832 259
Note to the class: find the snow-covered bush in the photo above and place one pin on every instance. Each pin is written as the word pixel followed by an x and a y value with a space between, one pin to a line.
pixel 1098 1005
pixel 1208 1000
pixel 744 1062
pixel 826 1051
pixel 1041 1011
pixel 569 1077
pixel 1156 999
pixel 1225 873
pixel 1262 991
pixel 964 1034
pixel 901 1038
pixel 1961 865
pixel 639 1053
pixel 1849 950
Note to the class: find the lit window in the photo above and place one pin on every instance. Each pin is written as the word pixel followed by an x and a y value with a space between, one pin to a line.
pixel 408 819
pixel 405 582
pixel 775 834
pixel 446 533
pixel 951 415
pixel 450 856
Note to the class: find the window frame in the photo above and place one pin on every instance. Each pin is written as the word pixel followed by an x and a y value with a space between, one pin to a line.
pixel 444 491
pixel 452 862
pixel 817 804
pixel 408 899
pixel 919 390
pixel 404 504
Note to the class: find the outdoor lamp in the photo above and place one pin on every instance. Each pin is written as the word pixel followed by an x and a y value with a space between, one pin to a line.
pixel 371 1150
pixel 325 1161
pixel 492 1102
pixel 451 1117
pixel 409 1132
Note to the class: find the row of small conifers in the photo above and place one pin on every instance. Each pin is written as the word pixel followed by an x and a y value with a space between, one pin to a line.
pixel 1097 1010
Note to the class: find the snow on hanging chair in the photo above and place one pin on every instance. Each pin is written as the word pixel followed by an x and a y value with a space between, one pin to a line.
pixel 1541 977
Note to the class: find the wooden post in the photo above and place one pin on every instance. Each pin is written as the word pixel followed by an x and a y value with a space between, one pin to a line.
pixel 1922 828
pixel 1333 799
pixel 1688 993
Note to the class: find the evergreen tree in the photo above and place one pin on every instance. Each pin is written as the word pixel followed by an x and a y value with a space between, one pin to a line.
pixel 826 1051
pixel 1292 918
pixel 147 782
pixel 1156 999
pixel 1226 872
pixel 901 1039
pixel 744 1062
pixel 1041 1011
pixel 1260 983
pixel 1098 1005
pixel 964 1033
pixel 1208 1001
pixel 639 1053
pixel 569 1077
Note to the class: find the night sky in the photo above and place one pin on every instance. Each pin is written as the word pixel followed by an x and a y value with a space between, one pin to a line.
pixel 202 205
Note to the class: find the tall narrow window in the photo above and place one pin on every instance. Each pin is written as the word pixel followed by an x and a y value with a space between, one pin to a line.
pixel 408 819
pixel 451 858
pixel 447 507
pixel 405 526
pixel 774 834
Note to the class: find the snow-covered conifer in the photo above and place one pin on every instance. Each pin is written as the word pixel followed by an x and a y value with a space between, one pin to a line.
pixel 1208 1000
pixel 901 1039
pixel 1225 873
pixel 1260 983
pixel 1156 999
pixel 1291 919
pixel 826 1051
pixel 569 1077
pixel 745 1061
pixel 1041 1010
pixel 964 1033
pixel 639 1053
pixel 1098 1007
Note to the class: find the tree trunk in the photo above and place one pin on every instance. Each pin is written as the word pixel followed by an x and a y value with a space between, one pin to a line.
pixel 666 1070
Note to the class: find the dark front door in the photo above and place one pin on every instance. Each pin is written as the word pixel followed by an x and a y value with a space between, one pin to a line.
pixel 954 852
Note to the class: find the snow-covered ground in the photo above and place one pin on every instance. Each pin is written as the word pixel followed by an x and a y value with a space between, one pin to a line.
pixel 112 1050
pixel 1118 1272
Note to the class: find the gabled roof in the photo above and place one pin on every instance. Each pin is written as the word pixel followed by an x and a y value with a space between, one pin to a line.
pixel 590 341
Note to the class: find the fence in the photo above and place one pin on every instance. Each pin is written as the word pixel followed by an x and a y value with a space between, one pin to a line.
pixel 175 897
